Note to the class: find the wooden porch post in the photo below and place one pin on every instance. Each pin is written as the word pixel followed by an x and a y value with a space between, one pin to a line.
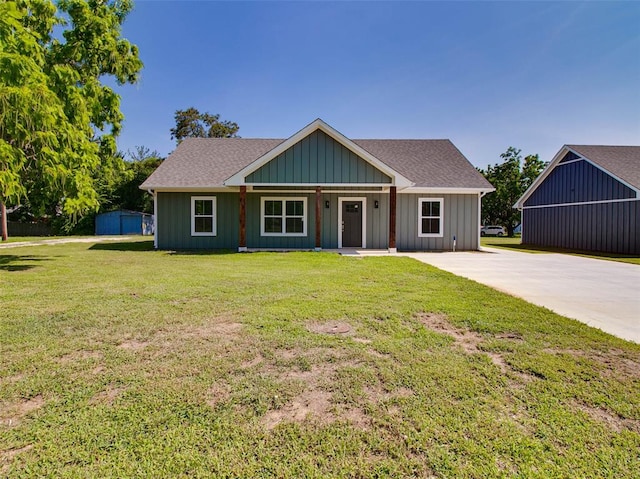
pixel 243 219
pixel 318 218
pixel 392 220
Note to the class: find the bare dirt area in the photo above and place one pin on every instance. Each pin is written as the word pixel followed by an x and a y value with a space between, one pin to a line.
pixel 613 362
pixel 6 457
pixel 334 327
pixel 108 396
pixel 12 414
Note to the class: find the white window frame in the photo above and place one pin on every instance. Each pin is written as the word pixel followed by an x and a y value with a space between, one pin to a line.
pixel 283 199
pixel 441 217
pixel 213 216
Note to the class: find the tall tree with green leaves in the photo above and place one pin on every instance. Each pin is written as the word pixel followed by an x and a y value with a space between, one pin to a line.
pixel 58 121
pixel 511 178
pixel 190 123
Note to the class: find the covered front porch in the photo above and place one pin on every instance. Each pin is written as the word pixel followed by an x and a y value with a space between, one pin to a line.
pixel 322 217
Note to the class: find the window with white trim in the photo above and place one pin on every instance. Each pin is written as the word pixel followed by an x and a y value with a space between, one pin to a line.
pixel 283 216
pixel 203 216
pixel 430 213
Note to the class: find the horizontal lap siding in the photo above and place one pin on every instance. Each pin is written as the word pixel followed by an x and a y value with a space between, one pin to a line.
pixel 318 159
pixel 606 227
pixel 174 222
pixel 460 219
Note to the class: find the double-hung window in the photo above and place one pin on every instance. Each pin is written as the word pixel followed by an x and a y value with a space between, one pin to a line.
pixel 283 216
pixel 430 213
pixel 203 216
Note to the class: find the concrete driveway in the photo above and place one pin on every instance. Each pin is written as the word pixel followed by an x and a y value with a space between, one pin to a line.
pixel 602 294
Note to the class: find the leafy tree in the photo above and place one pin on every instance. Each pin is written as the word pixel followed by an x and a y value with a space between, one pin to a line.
pixel 190 123
pixel 511 180
pixel 141 153
pixel 58 122
pixel 128 195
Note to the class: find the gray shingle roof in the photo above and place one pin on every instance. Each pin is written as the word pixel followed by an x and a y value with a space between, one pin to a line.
pixel 621 161
pixel 208 162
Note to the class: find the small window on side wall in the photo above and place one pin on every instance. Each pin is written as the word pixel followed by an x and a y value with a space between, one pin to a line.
pixel 430 212
pixel 203 216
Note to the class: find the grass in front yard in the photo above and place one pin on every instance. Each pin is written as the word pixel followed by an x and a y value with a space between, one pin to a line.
pixel 515 244
pixel 119 361
pixel 20 239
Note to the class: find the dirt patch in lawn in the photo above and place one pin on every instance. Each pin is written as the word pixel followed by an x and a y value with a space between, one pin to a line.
pixel 613 362
pixel 311 402
pixel 612 421
pixel 6 457
pixel 469 341
pixel 339 328
pixel 220 329
pixel 133 345
pixel 108 396
pixel 82 355
pixel 316 402
pixel 13 413
pixel 217 394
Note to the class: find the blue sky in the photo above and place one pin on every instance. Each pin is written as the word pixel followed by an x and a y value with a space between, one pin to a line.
pixel 487 75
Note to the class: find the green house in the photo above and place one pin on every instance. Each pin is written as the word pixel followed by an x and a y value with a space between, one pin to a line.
pixel 317 190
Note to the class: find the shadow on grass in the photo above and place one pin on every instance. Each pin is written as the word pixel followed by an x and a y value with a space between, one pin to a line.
pixel 124 246
pixel 202 252
pixel 10 262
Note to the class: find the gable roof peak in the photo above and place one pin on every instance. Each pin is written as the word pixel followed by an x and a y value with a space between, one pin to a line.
pixel 238 178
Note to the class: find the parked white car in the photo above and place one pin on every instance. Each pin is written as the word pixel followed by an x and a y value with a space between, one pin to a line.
pixel 493 230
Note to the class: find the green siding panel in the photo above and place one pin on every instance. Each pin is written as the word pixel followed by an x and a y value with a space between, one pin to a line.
pixel 318 159
pixel 377 227
pixel 174 222
pixel 254 238
pixel 460 219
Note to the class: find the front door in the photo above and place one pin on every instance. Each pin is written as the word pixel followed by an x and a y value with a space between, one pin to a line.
pixel 352 224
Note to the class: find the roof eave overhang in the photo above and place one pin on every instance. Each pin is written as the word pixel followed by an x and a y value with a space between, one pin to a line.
pixel 447 190
pixel 551 166
pixel 541 177
pixel 238 179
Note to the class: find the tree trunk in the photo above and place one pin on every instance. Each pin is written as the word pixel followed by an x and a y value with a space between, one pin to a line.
pixel 3 221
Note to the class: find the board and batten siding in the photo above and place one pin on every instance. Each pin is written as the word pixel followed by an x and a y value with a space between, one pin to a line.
pixel 460 220
pixel 377 219
pixel 551 217
pixel 318 159
pixel 577 182
pixel 174 222
pixel 605 227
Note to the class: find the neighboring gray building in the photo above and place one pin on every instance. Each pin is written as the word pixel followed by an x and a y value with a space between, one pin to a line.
pixel 586 199
pixel 316 190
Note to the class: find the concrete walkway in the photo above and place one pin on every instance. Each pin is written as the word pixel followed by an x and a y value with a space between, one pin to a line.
pixel 602 294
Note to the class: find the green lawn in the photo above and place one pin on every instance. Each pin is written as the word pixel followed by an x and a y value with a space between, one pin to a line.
pixel 514 244
pixel 119 361
pixel 19 239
